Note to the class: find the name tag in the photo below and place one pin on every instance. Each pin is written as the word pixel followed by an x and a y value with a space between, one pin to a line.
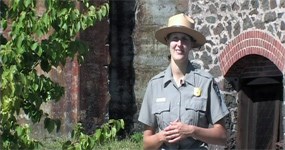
pixel 159 100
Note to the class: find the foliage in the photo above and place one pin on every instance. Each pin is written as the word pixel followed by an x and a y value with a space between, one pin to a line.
pixel 81 141
pixel 137 137
pixel 43 40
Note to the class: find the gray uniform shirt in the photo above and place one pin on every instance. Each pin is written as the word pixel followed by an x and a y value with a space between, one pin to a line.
pixel 197 102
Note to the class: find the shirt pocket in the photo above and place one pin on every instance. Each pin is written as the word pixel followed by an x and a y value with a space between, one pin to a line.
pixel 161 112
pixel 196 111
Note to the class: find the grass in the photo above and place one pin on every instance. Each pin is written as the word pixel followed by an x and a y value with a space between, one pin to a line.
pixel 52 143
pixel 130 143
pixel 126 144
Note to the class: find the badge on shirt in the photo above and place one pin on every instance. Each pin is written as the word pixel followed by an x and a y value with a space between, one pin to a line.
pixel 197 91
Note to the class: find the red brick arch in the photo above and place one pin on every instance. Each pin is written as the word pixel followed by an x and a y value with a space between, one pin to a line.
pixel 253 42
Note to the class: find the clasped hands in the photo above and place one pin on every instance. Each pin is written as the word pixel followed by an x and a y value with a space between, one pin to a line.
pixel 176 131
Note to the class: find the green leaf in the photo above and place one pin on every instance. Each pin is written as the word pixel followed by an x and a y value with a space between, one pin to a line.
pixel 27 3
pixel 66 144
pixel 17 106
pixel 98 134
pixel 49 124
pixel 4 24
pixel 19 131
pixel 122 123
pixel 35 86
pixel 78 26
pixel 83 24
pixel 62 12
pixel 34 46
pixel 22 16
pixel 113 131
pixel 64 26
pixel 40 51
pixel 99 14
pixel 45 65
pixel 12 88
pixel 3 59
pixel 23 79
pixel 77 146
pixel 106 5
pixel 20 40
pixel 45 19
pixel 104 10
pixel 39 32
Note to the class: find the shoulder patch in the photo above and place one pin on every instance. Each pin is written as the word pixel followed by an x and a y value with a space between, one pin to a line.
pixel 217 90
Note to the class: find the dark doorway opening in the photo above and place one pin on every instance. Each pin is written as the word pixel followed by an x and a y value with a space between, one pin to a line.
pixel 260 113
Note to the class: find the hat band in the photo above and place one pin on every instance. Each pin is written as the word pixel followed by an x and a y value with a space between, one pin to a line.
pixel 179 27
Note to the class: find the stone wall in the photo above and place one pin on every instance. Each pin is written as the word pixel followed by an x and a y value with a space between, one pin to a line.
pixel 223 21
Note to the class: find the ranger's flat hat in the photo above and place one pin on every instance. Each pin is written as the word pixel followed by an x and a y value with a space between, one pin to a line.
pixel 183 24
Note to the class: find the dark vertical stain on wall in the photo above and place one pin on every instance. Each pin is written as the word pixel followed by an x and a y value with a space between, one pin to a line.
pixel 121 70
pixel 94 96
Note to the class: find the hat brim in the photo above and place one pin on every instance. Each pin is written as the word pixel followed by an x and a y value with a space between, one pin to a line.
pixel 161 34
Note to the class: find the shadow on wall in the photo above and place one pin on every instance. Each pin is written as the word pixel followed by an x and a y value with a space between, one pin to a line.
pixel 121 71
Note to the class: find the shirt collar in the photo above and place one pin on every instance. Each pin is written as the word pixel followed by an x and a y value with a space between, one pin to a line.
pixel 189 77
pixel 168 76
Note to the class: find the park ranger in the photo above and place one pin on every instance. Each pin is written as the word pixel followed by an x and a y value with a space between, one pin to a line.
pixel 182 107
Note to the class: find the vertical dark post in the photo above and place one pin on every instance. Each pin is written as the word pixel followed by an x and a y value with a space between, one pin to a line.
pixel 121 71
